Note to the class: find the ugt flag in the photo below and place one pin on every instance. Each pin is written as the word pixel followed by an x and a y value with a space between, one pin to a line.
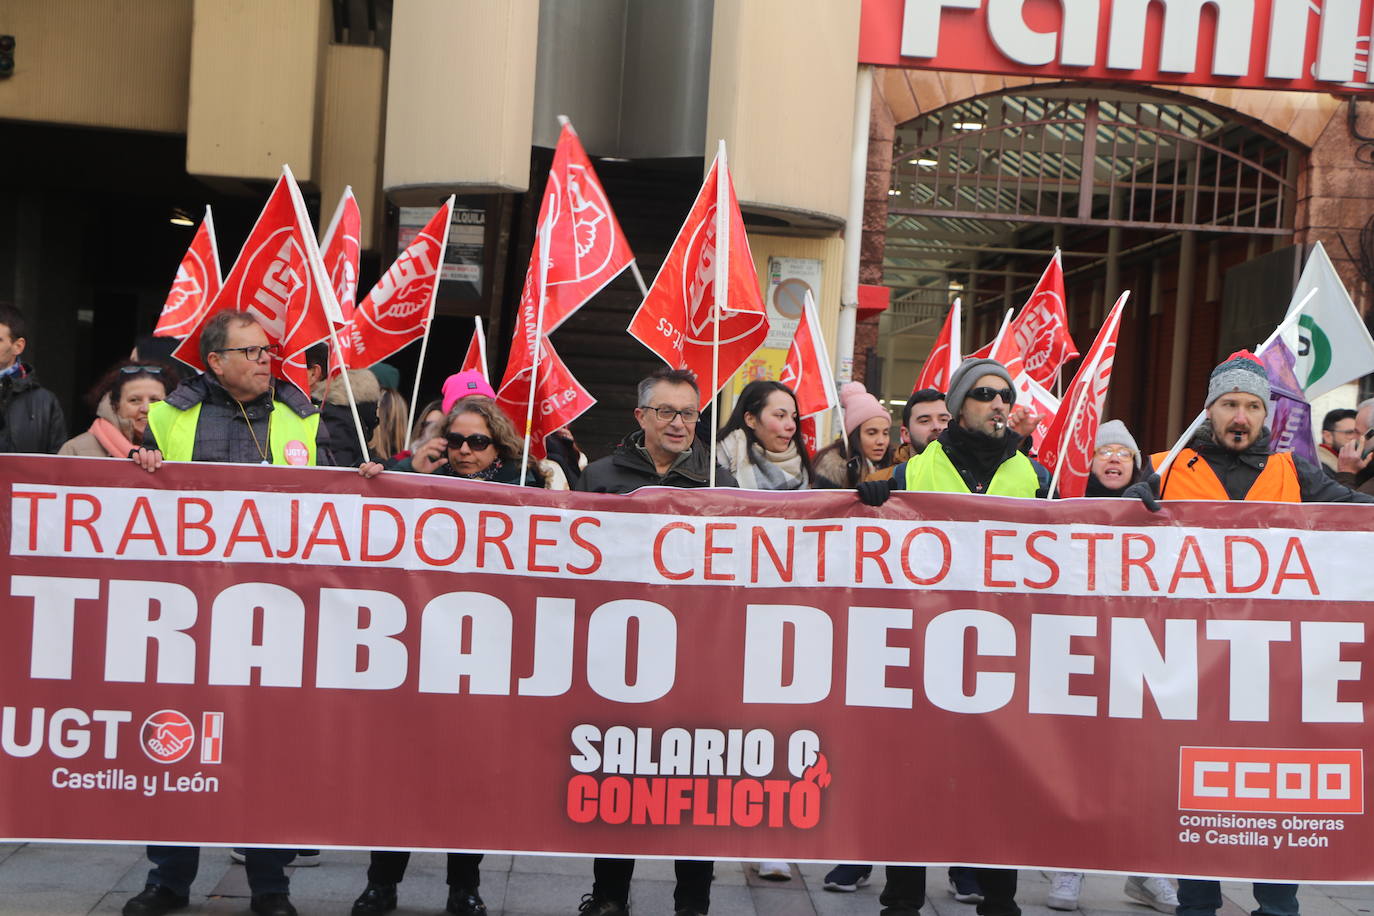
pixel 476 357
pixel 400 307
pixel 1041 328
pixel 1332 346
pixel 944 354
pixel 558 398
pixel 1072 437
pixel 342 251
pixel 678 319
pixel 279 278
pixel 807 372
pixel 197 281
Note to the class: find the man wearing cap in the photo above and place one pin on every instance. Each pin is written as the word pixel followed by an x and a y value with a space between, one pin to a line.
pixel 978 453
pixel 1228 457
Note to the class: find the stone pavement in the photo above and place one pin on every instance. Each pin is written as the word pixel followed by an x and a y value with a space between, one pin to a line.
pixel 39 879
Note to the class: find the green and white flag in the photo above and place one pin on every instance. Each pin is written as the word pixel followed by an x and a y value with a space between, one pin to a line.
pixel 1330 340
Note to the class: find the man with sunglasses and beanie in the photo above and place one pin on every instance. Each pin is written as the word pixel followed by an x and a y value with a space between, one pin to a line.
pixel 979 452
pixel 235 412
pixel 1229 458
pixel 662 453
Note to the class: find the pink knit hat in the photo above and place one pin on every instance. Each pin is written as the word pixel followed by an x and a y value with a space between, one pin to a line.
pixel 464 384
pixel 859 406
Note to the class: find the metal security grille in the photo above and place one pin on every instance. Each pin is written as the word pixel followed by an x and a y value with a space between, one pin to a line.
pixel 1135 163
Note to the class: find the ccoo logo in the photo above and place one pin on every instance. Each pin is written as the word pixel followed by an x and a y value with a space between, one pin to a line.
pixel 167 736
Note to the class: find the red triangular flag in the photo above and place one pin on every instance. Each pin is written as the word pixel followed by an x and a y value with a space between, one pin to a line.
pixel 586 246
pixel 197 283
pixel 1072 436
pixel 475 360
pixel 400 307
pixel 944 355
pixel 1037 398
pixel 807 368
pixel 559 398
pixel 279 278
pixel 341 250
pixel 677 319
pixel 1041 329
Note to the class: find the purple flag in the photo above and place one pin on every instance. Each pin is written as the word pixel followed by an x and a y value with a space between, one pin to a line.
pixel 1290 416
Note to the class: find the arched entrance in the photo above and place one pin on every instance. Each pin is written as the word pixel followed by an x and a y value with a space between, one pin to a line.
pixel 1185 204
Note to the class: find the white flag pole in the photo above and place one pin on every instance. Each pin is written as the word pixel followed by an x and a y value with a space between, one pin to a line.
pixel 639 278
pixel 348 389
pixel 956 339
pixel 538 343
pixel 1082 399
pixel 1178 446
pixel 1001 332
pixel 722 297
pixel 429 322
pixel 482 347
pixel 1292 318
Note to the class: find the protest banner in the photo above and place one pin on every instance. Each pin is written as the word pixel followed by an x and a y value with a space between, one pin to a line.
pixel 723 674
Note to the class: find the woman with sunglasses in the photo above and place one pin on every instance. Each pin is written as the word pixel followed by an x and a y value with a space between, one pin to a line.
pixel 478 442
pixel 121 400
pixel 844 464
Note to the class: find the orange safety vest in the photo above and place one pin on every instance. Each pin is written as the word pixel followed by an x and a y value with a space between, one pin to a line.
pixel 1191 477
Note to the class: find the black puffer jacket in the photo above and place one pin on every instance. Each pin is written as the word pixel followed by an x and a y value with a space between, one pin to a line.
pixel 1238 471
pixel 223 432
pixel 629 467
pixel 30 418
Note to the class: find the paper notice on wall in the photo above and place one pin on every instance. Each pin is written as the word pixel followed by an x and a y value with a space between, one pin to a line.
pixel 789 279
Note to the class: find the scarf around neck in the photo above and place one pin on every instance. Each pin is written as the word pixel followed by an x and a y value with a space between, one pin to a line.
pixel 757 469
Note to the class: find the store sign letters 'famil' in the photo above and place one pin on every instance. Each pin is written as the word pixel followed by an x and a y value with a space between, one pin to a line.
pixel 1320 45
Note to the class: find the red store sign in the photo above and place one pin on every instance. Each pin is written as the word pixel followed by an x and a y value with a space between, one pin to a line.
pixel 1314 45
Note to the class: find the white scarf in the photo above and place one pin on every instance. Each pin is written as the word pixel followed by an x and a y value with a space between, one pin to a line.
pixel 757 469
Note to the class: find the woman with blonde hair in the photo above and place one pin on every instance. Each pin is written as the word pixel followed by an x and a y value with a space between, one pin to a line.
pixel 389 438
pixel 477 442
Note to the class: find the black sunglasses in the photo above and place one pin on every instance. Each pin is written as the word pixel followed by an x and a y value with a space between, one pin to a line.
pixel 985 394
pixel 476 442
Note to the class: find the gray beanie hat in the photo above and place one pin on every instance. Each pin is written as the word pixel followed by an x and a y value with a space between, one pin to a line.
pixel 970 371
pixel 1243 372
pixel 1114 432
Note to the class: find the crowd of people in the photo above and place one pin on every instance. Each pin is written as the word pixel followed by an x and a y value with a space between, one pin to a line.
pixel 971 439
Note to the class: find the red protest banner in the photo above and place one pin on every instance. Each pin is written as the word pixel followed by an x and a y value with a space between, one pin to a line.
pixel 721 673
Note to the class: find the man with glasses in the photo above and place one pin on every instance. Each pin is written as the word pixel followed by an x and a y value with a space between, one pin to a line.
pixel 979 452
pixel 235 412
pixel 660 454
pixel 1338 430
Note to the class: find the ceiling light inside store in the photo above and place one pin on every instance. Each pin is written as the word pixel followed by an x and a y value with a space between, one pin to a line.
pixel 924 163
pixel 968 125
pixel 179 218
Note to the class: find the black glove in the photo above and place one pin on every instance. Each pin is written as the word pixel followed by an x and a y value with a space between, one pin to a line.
pixel 1147 491
pixel 874 492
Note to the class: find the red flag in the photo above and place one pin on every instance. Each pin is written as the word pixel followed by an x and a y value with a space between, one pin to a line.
pixel 809 435
pixel 400 307
pixel 279 278
pixel 342 250
pixel 1001 348
pixel 197 282
pixel 807 368
pixel 475 359
pixel 1031 394
pixel 586 246
pixel 1072 435
pixel 944 355
pixel 559 398
pixel 1040 330
pixel 677 318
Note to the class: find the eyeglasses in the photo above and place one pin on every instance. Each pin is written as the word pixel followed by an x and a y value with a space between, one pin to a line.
pixel 985 394
pixel 252 354
pixel 1108 451
pixel 668 414
pixel 477 442
pixel 135 370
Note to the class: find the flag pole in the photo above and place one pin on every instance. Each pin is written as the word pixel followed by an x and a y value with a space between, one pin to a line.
pixel 639 278
pixel 1001 332
pixel 1292 318
pixel 956 340
pixel 1082 401
pixel 482 346
pixel 538 344
pixel 348 389
pixel 1178 446
pixel 424 341
pixel 721 293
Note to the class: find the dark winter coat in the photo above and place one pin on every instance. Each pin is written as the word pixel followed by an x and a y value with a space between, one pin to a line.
pixel 1238 471
pixel 977 456
pixel 629 467
pixel 222 432
pixel 30 418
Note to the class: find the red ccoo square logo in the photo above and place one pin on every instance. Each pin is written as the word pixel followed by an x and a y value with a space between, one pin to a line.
pixel 1271 780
